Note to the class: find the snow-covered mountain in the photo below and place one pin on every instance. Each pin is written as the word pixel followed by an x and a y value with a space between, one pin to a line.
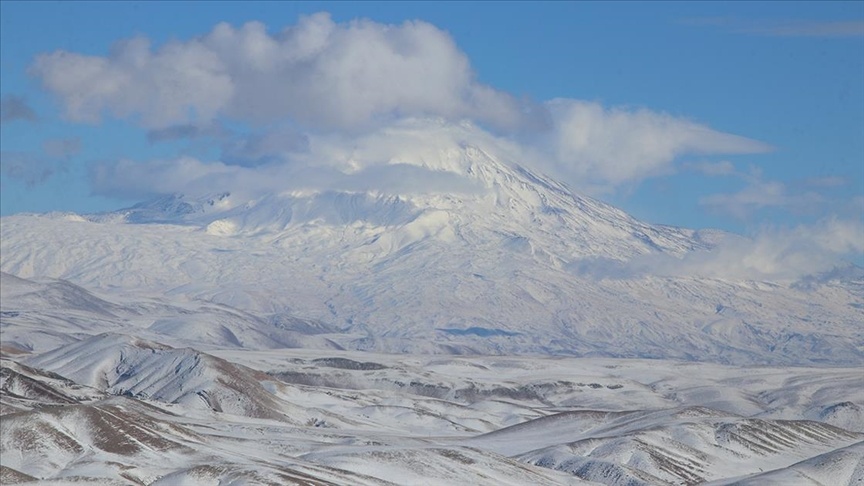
pixel 236 338
pixel 508 261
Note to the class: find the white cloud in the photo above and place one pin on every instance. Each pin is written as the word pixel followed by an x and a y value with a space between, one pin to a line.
pixel 317 72
pixel 721 168
pixel 759 194
pixel 179 83
pixel 412 156
pixel 617 145
pixel 772 254
pixel 435 144
pixel 319 79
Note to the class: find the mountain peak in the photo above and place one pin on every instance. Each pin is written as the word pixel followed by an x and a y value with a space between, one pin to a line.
pixel 487 195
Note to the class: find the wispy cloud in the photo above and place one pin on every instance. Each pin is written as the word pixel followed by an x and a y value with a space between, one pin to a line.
pixel 709 168
pixel 187 131
pixel 809 29
pixel 802 196
pixel 783 28
pixel 825 182
pixel 773 252
pixel 13 108
pixel 619 145
pixel 757 194
pixel 760 194
pixel 62 147
pixel 32 169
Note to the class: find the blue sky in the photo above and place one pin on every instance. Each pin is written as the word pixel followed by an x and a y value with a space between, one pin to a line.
pixel 787 79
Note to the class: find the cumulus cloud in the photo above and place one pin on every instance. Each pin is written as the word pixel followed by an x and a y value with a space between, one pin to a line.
pixel 14 108
pixel 317 72
pixel 349 84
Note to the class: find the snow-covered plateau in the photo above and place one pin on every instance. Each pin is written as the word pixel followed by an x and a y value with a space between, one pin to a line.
pixel 507 331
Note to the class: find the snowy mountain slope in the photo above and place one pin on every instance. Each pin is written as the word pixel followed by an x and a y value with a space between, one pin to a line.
pixel 19 293
pixel 507 261
pixel 453 420
pixel 564 384
pixel 693 449
pixel 123 365
pixel 439 466
pixel 843 466
pixel 39 316
pixel 24 388
pixel 126 441
pixel 258 474
pixel 11 476
pixel 443 298
pixel 44 441
pixel 498 260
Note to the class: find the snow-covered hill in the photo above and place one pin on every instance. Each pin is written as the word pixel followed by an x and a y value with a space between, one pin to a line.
pixel 391 419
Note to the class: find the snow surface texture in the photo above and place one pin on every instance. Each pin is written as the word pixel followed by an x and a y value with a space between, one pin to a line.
pixel 241 340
